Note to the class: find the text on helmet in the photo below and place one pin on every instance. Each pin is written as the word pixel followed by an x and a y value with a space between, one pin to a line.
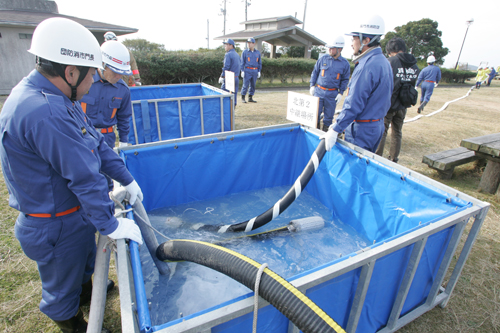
pixel 370 26
pixel 118 61
pixel 77 54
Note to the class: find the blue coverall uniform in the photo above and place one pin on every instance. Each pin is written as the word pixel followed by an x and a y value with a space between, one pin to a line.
pixel 232 63
pixel 367 101
pixel 108 105
pixel 53 162
pixel 491 76
pixel 428 76
pixel 330 76
pixel 251 65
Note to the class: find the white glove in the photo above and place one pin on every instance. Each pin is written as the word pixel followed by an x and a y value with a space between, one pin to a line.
pixel 242 74
pixel 416 87
pixel 221 80
pixel 311 90
pixel 138 83
pixel 135 192
pixel 338 98
pixel 435 84
pixel 330 138
pixel 127 229
pixel 123 144
pixel 258 75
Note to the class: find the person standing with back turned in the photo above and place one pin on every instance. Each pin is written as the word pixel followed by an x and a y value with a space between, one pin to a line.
pixel 54 161
pixel 405 70
pixel 369 92
pixel 430 77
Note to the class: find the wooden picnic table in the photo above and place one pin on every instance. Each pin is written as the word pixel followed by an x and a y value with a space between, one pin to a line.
pixel 487 147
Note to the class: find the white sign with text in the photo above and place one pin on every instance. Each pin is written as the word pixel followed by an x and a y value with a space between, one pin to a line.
pixel 229 83
pixel 302 109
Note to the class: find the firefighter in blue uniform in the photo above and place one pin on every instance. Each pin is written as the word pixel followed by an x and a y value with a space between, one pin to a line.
pixel 53 161
pixel 251 65
pixel 369 92
pixel 429 77
pixel 108 102
pixel 232 64
pixel 329 80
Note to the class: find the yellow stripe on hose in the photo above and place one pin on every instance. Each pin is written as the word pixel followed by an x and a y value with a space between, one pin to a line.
pixel 326 318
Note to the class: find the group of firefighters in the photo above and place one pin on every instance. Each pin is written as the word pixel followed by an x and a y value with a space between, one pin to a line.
pixel 57 135
pixel 485 75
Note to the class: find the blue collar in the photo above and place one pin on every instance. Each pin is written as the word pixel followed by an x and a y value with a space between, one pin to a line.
pixel 45 85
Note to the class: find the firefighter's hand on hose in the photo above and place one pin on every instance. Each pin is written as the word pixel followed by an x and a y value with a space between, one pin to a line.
pixel 338 98
pixel 242 74
pixel 127 229
pixel 311 91
pixel 135 192
pixel 221 80
pixel 330 138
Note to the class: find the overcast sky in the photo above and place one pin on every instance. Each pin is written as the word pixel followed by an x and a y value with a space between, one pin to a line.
pixel 182 25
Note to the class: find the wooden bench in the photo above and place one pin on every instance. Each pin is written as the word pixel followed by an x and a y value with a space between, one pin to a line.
pixel 446 161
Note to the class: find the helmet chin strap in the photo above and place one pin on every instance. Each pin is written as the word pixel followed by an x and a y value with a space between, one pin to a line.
pixel 60 69
pixel 362 44
pixel 372 41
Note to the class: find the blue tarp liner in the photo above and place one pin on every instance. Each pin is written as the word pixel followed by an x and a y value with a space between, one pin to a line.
pixel 192 97
pixel 376 200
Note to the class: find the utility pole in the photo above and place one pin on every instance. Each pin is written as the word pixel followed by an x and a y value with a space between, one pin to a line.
pixel 304 20
pixel 224 17
pixel 468 22
pixel 223 13
pixel 208 34
pixel 247 3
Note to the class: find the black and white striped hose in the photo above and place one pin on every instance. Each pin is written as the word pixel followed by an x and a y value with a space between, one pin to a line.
pixel 282 204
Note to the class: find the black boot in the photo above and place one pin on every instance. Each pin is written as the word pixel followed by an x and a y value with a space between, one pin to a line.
pixel 325 128
pixel 243 98
pixel 250 99
pixel 75 324
pixel 421 107
pixel 86 294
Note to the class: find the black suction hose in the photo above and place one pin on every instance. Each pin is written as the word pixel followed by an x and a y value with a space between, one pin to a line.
pixel 282 204
pixel 296 306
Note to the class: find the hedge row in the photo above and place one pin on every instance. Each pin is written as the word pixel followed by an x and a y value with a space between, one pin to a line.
pixel 456 76
pixel 182 67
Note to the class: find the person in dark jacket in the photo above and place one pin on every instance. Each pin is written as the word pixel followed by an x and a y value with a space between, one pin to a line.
pixel 405 69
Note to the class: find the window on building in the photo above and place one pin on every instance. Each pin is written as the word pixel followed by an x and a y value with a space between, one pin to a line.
pixel 25 36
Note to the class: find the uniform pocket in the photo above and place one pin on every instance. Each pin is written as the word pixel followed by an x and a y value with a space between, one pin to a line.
pixel 37 237
pixel 115 103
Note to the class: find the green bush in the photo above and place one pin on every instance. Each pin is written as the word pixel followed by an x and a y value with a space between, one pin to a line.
pixel 206 66
pixel 455 76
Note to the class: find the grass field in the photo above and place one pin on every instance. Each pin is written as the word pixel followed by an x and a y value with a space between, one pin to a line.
pixel 475 304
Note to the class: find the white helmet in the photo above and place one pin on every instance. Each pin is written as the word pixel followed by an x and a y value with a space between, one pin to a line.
pixel 431 59
pixel 115 55
pixel 338 42
pixel 66 42
pixel 373 25
pixel 110 35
